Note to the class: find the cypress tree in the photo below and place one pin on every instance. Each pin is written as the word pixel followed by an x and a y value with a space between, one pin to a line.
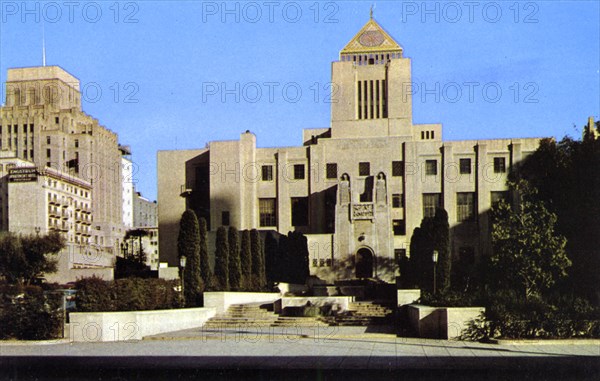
pixel 222 259
pixel 271 251
pixel 258 262
pixel 188 245
pixel 246 260
pixel 441 243
pixel 235 266
pixel 205 270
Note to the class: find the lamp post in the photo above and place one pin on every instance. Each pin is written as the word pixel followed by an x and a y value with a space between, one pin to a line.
pixel 182 261
pixel 434 257
pixel 37 230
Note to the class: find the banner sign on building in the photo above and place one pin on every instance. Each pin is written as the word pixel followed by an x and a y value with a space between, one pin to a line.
pixel 22 175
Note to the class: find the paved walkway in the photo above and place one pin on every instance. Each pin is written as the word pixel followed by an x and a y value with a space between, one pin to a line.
pixel 345 348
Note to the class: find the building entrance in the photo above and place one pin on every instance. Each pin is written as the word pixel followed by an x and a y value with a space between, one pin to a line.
pixel 364 263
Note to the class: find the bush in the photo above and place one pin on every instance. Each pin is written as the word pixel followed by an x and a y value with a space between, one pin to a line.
pixel 448 299
pixel 134 294
pixel 29 314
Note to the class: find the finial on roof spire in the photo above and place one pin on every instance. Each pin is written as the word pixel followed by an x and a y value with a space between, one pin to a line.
pixel 371 15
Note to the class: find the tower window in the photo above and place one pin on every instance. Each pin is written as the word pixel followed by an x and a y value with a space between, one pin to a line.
pixel 499 165
pixel 267 212
pixel 431 167
pixel 397 201
pixel 225 218
pixel 399 227
pixel 56 120
pixel 331 171
pixel 299 172
pixel 364 169
pixel 397 168
pixel 431 201
pixel 267 173
pixel 465 166
pixel 465 206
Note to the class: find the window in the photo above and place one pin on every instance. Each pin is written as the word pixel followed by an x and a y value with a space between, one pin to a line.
pixel 399 227
pixel 298 171
pixel 56 119
pixel 24 128
pixel 431 167
pixel 400 255
pixel 299 211
pixel 266 208
pixel 31 128
pixel 331 171
pixel 76 143
pixel 364 169
pixel 30 153
pixel 397 168
pixel 397 201
pixel 225 218
pixel 48 153
pixel 48 140
pixel 497 197
pixel 267 173
pixel 431 201
pixel 499 165
pixel 465 166
pixel 465 206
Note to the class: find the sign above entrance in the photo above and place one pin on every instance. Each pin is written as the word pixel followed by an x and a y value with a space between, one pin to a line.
pixel 362 212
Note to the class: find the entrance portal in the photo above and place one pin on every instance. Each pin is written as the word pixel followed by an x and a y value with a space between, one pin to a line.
pixel 364 263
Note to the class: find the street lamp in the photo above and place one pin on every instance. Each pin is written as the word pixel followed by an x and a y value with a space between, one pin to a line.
pixel 182 261
pixel 434 257
pixel 37 230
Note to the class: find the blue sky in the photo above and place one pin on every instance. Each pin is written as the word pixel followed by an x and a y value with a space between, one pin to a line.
pixel 155 71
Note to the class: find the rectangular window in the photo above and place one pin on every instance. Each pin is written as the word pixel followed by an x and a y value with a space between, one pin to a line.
pixel 31 128
pixel 24 128
pixel 497 197
pixel 431 167
pixel 359 100
pixel 397 201
pixel 298 171
pixel 76 143
pixel 30 153
pixel 267 173
pixel 56 119
pixel 48 153
pixel 399 227
pixel 364 169
pixel 397 168
pixel 465 166
pixel 431 201
pixel 48 140
pixel 267 211
pixel 331 171
pixel 465 206
pixel 299 211
pixel 499 165
pixel 225 218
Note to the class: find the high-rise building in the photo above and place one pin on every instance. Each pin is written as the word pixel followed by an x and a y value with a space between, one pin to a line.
pixel 357 188
pixel 42 122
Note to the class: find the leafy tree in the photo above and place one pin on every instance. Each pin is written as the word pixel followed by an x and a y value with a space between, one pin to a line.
pixel 235 266
pixel 246 259
pixel 567 175
pixel 528 256
pixel 188 245
pixel 205 270
pixel 421 248
pixel 258 261
pixel 295 259
pixel 25 258
pixel 222 259
pixel 136 235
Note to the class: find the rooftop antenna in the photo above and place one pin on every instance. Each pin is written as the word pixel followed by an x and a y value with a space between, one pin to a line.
pixel 43 44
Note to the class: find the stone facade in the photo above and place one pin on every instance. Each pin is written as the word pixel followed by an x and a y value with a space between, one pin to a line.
pixel 357 189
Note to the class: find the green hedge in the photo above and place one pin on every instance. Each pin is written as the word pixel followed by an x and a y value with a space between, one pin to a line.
pixel 29 314
pixel 131 294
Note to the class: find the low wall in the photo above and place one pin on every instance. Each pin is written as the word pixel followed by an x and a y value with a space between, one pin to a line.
pixel 133 325
pixel 441 322
pixel 285 288
pixel 408 296
pixel 340 301
pixel 221 301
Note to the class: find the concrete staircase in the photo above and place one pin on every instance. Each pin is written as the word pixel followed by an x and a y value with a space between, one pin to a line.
pixel 289 321
pixel 364 314
pixel 243 316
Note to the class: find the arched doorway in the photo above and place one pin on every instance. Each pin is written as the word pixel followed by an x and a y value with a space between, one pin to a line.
pixel 364 263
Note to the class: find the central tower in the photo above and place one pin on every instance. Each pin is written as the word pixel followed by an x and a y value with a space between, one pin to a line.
pixel 371 87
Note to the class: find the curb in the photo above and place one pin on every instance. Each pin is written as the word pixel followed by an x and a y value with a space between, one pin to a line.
pixel 33 342
pixel 545 341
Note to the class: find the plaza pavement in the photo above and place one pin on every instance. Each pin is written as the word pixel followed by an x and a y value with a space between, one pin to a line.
pixel 325 353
